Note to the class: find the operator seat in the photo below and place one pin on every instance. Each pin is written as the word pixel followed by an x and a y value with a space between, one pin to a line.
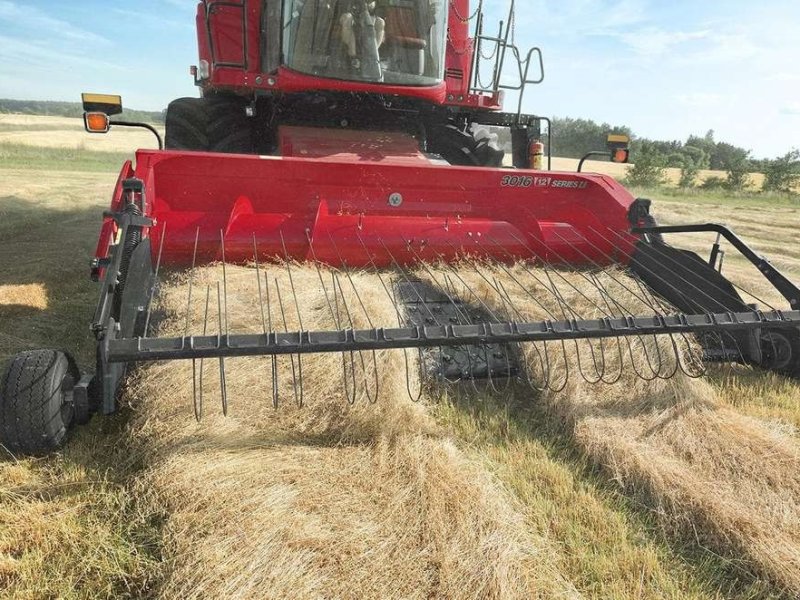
pixel 406 33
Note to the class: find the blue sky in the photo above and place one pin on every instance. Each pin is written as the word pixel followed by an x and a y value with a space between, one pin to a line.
pixel 667 69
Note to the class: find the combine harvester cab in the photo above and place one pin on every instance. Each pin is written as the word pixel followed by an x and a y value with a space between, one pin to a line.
pixel 375 163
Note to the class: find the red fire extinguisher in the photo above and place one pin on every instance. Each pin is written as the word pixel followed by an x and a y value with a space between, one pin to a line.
pixel 536 152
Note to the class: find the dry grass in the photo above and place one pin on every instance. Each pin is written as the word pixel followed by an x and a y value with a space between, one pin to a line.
pixel 730 479
pixel 771 231
pixel 31 295
pixel 329 500
pixel 68 133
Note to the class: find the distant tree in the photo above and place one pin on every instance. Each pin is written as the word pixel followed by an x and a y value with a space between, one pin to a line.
pixel 737 165
pixel 574 138
pixel 693 160
pixel 783 174
pixel 648 169
pixel 70 109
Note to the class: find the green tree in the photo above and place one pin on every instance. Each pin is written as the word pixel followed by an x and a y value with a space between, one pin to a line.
pixel 737 165
pixel 693 159
pixel 648 169
pixel 783 173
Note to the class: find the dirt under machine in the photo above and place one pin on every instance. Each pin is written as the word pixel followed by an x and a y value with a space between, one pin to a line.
pixel 360 135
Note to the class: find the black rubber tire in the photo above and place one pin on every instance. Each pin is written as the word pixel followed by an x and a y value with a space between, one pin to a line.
pixel 781 352
pixel 230 130
pixel 187 125
pixel 461 148
pixel 35 413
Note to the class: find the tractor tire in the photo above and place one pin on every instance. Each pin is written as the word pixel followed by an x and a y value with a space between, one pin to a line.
pixel 230 130
pixel 187 125
pixel 781 352
pixel 460 148
pixel 35 401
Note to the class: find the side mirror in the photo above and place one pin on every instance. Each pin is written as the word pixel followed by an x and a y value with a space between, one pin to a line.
pixel 619 147
pixel 97 110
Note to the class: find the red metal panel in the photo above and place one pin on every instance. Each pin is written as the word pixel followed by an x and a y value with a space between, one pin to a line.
pixel 344 209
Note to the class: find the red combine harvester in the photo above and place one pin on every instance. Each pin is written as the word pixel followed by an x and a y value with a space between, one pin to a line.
pixel 359 134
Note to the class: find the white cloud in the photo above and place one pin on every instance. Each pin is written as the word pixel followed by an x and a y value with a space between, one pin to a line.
pixel 652 41
pixel 792 110
pixel 700 99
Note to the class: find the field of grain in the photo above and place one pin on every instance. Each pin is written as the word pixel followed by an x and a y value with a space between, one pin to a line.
pixel 678 489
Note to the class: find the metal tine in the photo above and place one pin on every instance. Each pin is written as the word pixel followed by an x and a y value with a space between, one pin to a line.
pixel 273 358
pixel 404 274
pixel 546 361
pixel 376 375
pixel 393 299
pixel 503 293
pixel 451 293
pixel 191 283
pixel 607 296
pixel 722 290
pixel 700 308
pixel 488 309
pixel 223 386
pixel 155 280
pixel 334 316
pixel 724 308
pixel 634 363
pixel 299 316
pixel 608 311
pixel 543 362
pixel 462 313
pixel 599 373
pixel 602 376
pixel 516 280
pixel 351 398
pixel 198 399
pixel 352 355
pixel 662 310
pixel 260 290
pixel 548 312
pixel 298 396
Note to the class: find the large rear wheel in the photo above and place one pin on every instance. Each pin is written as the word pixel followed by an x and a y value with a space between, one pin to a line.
pixel 36 409
pixel 230 130
pixel 187 125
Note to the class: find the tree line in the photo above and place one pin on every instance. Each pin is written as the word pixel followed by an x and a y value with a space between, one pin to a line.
pixel 573 138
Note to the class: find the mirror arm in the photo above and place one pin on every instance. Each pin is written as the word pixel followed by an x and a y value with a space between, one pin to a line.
pixel 150 128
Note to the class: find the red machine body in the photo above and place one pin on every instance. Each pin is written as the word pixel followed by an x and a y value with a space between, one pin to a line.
pixel 393 188
pixel 241 52
pixel 373 202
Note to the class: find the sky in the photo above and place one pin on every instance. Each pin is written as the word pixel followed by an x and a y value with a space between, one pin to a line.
pixel 667 69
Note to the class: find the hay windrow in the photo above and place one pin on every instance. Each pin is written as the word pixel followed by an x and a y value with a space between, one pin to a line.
pixel 328 500
pixel 729 480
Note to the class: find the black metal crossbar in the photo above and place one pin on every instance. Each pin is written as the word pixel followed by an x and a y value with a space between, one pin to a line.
pixel 306 342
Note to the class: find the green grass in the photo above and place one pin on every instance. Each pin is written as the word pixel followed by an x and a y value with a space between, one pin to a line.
pixel 614 547
pixel 724 197
pixel 22 156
